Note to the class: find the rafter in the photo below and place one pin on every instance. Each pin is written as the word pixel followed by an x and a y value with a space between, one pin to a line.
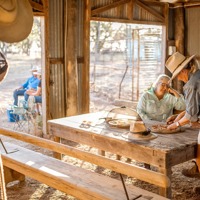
pixel 150 10
pixel 108 7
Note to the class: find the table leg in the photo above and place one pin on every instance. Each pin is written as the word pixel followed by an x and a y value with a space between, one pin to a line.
pixel 166 192
pixel 101 152
pixel 55 154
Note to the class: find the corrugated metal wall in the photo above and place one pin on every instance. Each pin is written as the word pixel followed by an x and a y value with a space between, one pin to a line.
pixel 193 31
pixel 140 12
pixel 56 50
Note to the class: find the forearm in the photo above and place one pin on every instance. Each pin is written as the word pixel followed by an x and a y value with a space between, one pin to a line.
pixel 183 121
pixel 174 92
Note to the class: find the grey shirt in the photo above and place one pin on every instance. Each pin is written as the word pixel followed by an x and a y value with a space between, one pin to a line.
pixel 192 97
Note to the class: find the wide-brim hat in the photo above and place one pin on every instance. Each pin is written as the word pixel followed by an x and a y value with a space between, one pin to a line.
pixel 139 136
pixel 34 68
pixel 3 67
pixel 16 20
pixel 176 63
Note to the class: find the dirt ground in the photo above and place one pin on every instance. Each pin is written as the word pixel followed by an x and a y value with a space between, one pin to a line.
pixel 182 187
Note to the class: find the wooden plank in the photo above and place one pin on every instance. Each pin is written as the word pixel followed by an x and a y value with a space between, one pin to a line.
pixel 2 181
pixel 56 60
pixel 85 70
pixel 46 114
pixel 154 151
pixel 141 153
pixel 115 165
pixel 78 182
pixel 71 61
pixel 104 19
pixel 130 10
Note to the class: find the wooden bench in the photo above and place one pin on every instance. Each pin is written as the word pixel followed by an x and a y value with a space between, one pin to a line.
pixel 73 180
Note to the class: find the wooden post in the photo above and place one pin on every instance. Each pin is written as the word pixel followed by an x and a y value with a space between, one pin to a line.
pixel 2 181
pixel 46 71
pixel 179 39
pixel 71 61
pixel 85 87
pixel 12 175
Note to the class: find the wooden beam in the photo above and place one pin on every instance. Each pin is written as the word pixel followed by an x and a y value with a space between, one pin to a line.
pixel 46 71
pixel 36 6
pixel 71 62
pixel 108 7
pixel 130 10
pixel 179 40
pixel 192 4
pixel 126 21
pixel 56 60
pixel 150 10
pixel 85 71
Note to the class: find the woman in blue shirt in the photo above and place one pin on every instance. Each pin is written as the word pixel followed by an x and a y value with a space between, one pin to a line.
pixel 159 101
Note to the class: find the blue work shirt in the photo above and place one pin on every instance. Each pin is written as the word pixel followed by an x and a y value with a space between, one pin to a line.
pixel 151 108
pixel 191 92
pixel 31 82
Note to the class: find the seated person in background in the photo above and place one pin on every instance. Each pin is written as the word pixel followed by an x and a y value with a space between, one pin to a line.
pixel 37 94
pixel 31 83
pixel 159 101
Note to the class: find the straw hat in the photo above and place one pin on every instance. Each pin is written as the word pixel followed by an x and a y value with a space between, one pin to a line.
pixel 3 67
pixel 34 69
pixel 177 62
pixel 16 20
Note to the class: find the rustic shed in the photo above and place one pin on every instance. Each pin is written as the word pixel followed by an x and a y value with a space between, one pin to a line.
pixel 67 43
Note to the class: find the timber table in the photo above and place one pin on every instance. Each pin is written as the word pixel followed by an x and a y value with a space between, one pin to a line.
pixel 163 152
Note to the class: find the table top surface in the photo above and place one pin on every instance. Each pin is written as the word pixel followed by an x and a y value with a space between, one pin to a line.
pixel 164 142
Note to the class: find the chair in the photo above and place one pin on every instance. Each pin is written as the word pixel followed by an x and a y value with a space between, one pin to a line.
pixel 21 117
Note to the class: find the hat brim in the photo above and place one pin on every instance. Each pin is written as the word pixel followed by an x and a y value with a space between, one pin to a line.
pixel 181 66
pixel 3 75
pixel 21 27
pixel 139 137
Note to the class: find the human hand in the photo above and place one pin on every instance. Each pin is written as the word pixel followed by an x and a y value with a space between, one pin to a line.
pixel 170 90
pixel 172 126
pixel 171 119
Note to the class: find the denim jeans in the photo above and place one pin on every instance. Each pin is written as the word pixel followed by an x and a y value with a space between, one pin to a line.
pixel 17 93
pixel 38 99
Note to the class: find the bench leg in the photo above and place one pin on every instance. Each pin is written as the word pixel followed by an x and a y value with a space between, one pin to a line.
pixel 101 152
pixel 55 154
pixel 12 175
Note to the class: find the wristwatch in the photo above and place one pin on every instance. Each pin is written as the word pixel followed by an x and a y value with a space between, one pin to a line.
pixel 178 124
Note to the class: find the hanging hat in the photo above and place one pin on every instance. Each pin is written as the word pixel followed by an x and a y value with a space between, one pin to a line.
pixel 8 11
pixel 16 20
pixel 177 62
pixel 3 67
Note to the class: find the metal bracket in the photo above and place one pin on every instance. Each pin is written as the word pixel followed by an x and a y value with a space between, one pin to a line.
pixel 125 190
pixel 15 150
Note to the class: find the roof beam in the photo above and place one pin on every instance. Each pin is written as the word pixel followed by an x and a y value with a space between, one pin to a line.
pixel 150 10
pixel 108 7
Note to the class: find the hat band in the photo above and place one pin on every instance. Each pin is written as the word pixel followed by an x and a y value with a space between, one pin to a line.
pixel 178 66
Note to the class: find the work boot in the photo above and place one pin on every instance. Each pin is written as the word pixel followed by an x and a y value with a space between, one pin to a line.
pixel 192 172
